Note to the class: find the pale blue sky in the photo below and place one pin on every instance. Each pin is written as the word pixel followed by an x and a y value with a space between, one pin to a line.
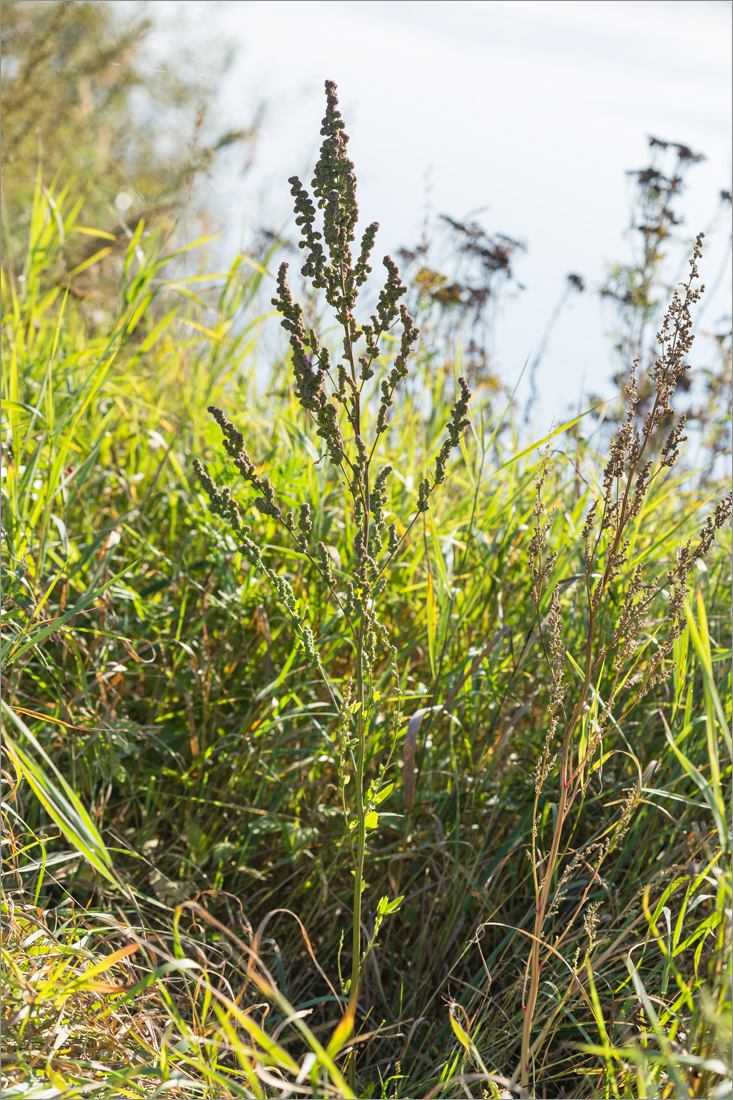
pixel 532 108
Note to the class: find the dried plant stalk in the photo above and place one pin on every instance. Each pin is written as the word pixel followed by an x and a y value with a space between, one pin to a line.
pixel 568 755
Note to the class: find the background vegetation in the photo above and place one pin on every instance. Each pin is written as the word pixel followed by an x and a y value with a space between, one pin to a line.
pixel 176 878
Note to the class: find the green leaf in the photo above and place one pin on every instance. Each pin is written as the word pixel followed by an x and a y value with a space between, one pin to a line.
pixel 383 794
pixel 701 644
pixel 59 800
pixel 711 792
pixel 7 404
pixel 460 1034
pixel 394 905
pixel 44 632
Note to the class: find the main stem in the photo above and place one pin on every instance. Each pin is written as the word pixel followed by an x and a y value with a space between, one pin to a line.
pixel 539 920
pixel 360 841
pixel 567 788
pixel 361 731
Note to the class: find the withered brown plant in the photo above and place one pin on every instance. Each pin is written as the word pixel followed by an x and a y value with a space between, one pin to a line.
pixel 592 691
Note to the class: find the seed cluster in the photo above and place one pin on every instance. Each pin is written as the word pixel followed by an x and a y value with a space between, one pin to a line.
pixel 334 396
pixel 222 504
pixel 629 473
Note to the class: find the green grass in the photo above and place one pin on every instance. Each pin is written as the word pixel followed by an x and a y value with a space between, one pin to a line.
pixel 177 877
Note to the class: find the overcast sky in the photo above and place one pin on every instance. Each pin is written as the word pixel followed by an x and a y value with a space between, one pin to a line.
pixel 530 111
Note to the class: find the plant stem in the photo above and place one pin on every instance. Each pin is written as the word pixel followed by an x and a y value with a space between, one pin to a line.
pixel 360 723
pixel 568 776
pixel 539 920
pixel 360 842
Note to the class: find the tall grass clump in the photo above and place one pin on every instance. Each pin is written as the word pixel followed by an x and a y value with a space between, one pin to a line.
pixel 504 707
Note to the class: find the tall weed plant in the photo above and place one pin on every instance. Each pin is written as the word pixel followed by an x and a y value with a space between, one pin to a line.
pixel 325 389
pixel 501 708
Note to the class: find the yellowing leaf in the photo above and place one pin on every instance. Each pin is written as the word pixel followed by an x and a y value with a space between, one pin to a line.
pixel 343 1030
pixel 88 232
pixel 89 262
pixel 460 1034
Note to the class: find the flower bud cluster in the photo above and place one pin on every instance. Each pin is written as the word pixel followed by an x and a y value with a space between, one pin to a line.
pixel 222 504
pixel 541 564
pixel 675 339
pixel 234 446
pixel 678 582
pixel 325 565
pixel 334 184
pixel 305 526
pixel 455 428
pixel 399 370
pixel 334 397
pixel 305 211
pixel 377 505
pixel 311 365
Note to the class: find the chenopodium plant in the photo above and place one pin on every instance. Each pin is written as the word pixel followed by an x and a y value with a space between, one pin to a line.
pixel 336 395
pixel 615 668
